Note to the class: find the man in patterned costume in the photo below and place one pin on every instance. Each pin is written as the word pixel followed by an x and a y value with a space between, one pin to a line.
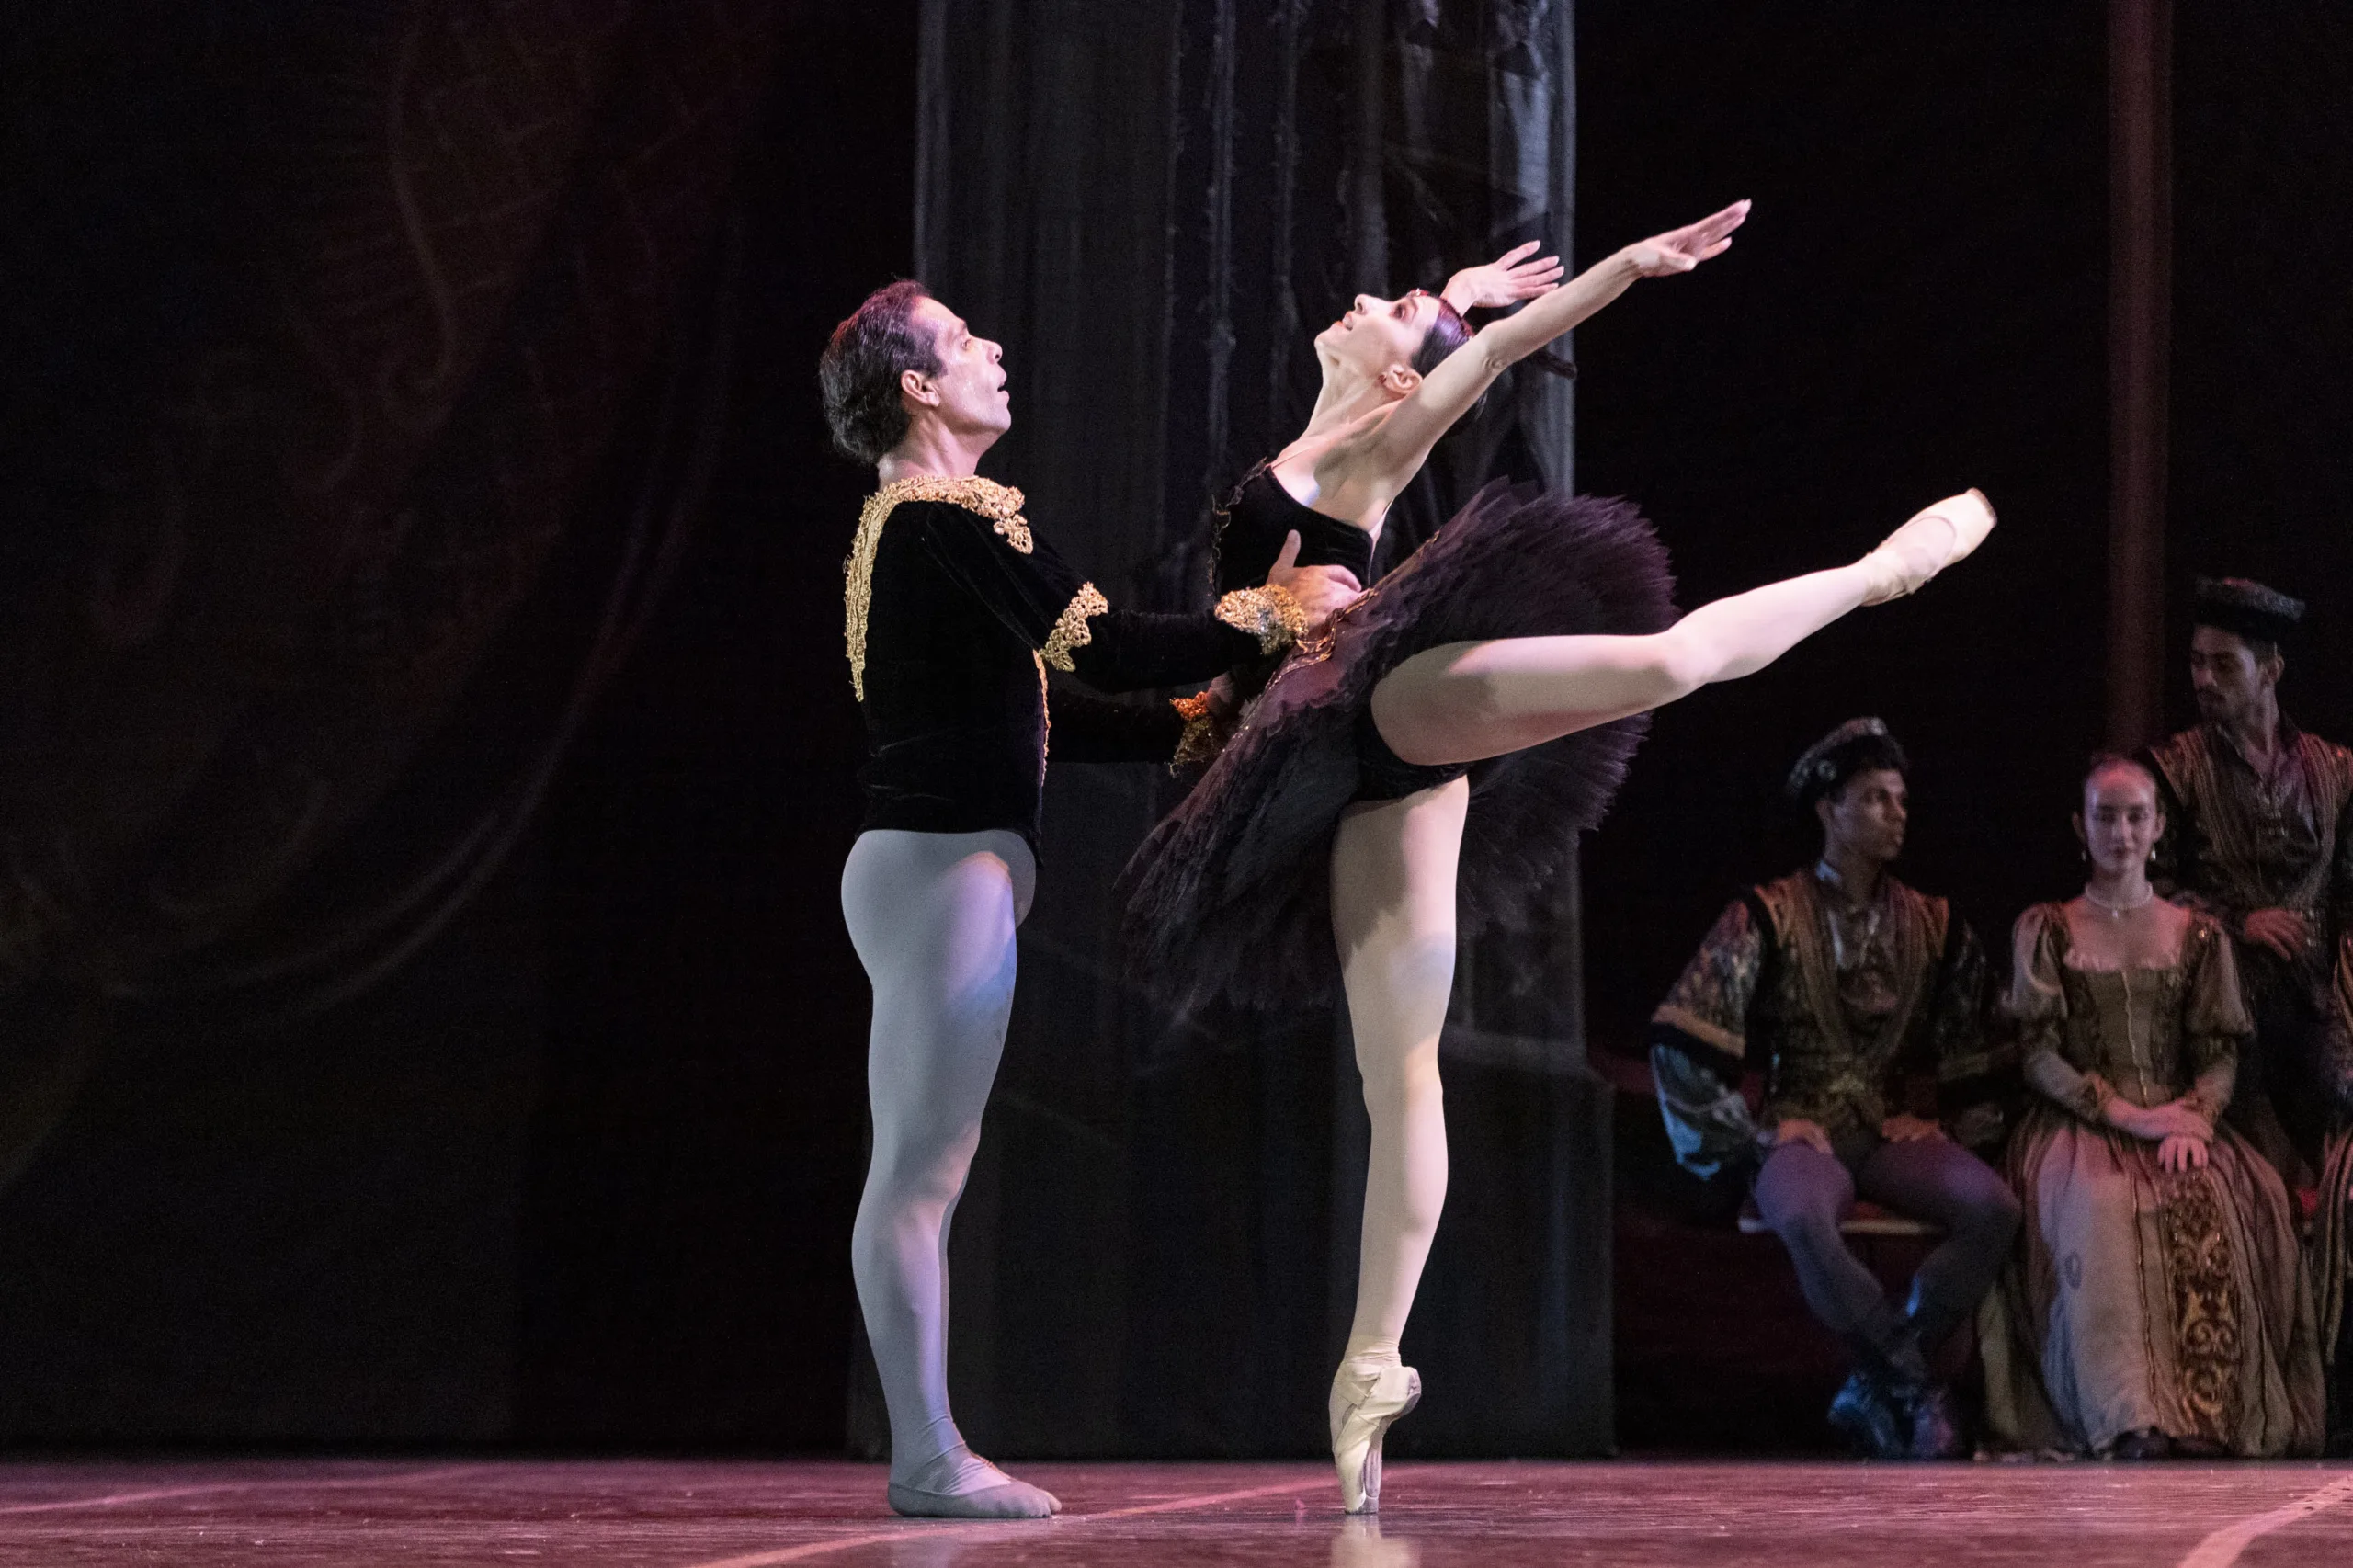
pixel 1865 1003
pixel 2260 836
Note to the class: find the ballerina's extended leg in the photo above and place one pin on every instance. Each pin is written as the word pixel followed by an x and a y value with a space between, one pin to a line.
pixel 932 917
pixel 1467 701
pixel 1392 915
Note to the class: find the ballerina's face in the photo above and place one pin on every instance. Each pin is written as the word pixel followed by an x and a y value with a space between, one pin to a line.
pixel 968 394
pixel 1379 336
pixel 2121 822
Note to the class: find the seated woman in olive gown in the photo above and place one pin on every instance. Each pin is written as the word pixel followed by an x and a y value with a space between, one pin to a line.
pixel 2158 1305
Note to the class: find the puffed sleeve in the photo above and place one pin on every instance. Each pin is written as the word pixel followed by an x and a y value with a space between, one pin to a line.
pixel 1708 1004
pixel 1977 1074
pixel 1033 592
pixel 2215 1018
pixel 2336 1043
pixel 2176 855
pixel 1698 1040
pixel 2037 1003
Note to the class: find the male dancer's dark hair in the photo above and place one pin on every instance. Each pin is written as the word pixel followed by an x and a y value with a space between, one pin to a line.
pixel 859 371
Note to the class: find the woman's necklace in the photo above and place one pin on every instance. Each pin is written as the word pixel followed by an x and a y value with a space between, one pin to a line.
pixel 2119 911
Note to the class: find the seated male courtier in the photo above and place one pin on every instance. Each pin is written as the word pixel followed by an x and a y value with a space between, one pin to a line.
pixel 1866 1004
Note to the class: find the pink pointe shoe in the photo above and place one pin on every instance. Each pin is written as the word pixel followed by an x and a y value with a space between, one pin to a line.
pixel 1367 1397
pixel 1936 538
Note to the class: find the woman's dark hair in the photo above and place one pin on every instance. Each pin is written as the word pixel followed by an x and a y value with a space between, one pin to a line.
pixel 859 373
pixel 1448 331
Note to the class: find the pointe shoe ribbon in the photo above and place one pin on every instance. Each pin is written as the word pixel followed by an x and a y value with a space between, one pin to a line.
pixel 1366 1399
pixel 1933 540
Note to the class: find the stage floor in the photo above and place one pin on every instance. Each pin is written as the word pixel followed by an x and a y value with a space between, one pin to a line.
pixel 697 1514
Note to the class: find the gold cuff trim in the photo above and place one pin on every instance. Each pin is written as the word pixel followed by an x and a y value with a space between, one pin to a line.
pixel 1698 1029
pixel 999 503
pixel 1071 629
pixel 1269 614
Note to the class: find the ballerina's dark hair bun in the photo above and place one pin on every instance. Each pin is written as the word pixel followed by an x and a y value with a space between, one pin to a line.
pixel 1448 332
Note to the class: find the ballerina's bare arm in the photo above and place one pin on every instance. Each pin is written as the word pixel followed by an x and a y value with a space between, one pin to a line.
pixel 1404 439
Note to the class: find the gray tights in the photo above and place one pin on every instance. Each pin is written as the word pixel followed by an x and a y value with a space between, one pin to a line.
pixel 932 917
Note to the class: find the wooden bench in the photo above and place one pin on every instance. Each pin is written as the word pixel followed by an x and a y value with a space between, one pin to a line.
pixel 1865 1219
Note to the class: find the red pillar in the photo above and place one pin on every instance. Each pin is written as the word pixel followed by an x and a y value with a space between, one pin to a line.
pixel 2139 101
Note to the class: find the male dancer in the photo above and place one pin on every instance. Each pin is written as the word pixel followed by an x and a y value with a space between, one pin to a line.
pixel 1867 1001
pixel 2260 834
pixel 954 611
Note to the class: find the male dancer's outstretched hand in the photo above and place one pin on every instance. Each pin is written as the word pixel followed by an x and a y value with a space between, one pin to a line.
pixel 1680 250
pixel 1323 592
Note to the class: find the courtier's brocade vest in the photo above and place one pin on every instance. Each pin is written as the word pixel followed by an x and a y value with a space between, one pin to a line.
pixel 1857 1011
pixel 2237 841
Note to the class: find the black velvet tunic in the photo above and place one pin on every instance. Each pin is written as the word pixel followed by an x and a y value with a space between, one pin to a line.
pixel 957 627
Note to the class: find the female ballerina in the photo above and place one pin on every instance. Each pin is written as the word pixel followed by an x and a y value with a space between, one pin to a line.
pixel 1525 638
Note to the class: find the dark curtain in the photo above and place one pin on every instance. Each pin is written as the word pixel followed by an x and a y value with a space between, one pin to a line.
pixel 2262 475
pixel 366 365
pixel 1154 209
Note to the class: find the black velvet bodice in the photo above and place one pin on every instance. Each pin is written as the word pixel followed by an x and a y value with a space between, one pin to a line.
pixel 1256 516
pixel 1250 535
pixel 956 620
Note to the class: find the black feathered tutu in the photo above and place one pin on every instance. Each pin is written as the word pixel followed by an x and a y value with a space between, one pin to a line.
pixel 1230 897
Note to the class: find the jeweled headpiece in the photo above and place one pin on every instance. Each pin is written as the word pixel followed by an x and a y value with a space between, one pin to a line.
pixel 1855 746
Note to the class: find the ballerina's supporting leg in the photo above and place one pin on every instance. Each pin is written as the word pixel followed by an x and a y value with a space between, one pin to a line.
pixel 932 917
pixel 1392 915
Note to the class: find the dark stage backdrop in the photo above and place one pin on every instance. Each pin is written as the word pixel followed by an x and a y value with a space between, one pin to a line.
pixel 419 1025
pixel 1917 305
pixel 372 366
pixel 1157 1252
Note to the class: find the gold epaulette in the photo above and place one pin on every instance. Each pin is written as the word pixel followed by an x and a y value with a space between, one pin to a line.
pixel 1001 503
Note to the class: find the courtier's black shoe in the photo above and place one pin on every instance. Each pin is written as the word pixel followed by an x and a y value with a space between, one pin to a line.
pixel 1934 1429
pixel 1867 1416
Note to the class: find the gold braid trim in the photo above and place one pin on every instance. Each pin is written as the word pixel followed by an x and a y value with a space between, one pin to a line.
pixel 999 503
pixel 1071 629
pixel 1269 614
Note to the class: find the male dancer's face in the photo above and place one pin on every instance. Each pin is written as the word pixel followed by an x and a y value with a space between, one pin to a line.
pixel 968 395
pixel 2226 677
pixel 1866 817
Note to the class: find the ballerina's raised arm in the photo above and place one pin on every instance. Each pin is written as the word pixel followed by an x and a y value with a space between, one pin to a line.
pixel 1395 451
